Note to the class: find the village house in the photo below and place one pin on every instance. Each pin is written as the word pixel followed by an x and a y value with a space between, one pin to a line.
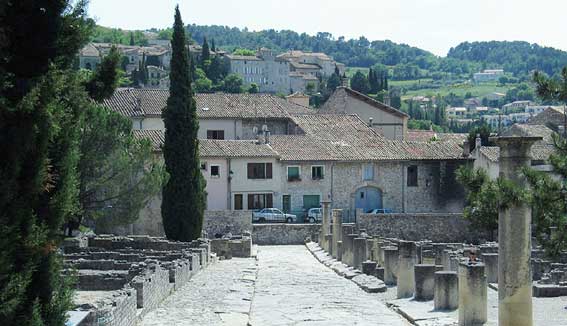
pixel 91 55
pixel 286 73
pixel 487 157
pixel 221 115
pixel 388 121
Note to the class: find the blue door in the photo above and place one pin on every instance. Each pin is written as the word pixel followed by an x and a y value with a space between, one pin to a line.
pixel 368 198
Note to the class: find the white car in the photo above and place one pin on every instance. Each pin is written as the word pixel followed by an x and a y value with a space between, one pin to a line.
pixel 315 215
pixel 272 215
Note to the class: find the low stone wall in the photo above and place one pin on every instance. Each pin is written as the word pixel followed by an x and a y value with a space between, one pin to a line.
pixel 224 222
pixel 416 227
pixel 283 234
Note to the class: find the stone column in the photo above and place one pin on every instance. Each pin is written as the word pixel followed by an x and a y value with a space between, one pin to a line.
pixel 325 224
pixel 406 263
pixel 369 268
pixel 390 265
pixel 424 275
pixel 337 231
pixel 514 234
pixel 446 296
pixel 339 252
pixel 472 294
pixel 346 230
pixel 359 253
pixel 491 262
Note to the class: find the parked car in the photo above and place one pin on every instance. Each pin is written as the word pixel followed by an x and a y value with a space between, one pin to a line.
pixel 273 215
pixel 315 215
pixel 380 211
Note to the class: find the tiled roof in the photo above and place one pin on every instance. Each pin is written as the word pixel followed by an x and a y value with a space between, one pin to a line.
pixel 295 54
pixel 89 50
pixel 150 102
pixel 339 137
pixel 334 106
pixel 243 57
pixel 429 135
pixel 301 65
pixel 214 148
pixel 537 131
pixel 155 136
pixel 234 148
pixel 537 152
pixel 553 115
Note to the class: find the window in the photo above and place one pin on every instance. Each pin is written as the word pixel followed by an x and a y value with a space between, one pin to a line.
pixel 412 176
pixel 259 201
pixel 215 134
pixel 204 166
pixel 293 173
pixel 215 171
pixel 317 172
pixel 238 202
pixel 368 172
pixel 259 170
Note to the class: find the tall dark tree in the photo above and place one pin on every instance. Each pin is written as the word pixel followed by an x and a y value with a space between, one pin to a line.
pixel 359 83
pixel 183 195
pixel 213 47
pixel 205 51
pixel 132 42
pixel 105 79
pixel 41 102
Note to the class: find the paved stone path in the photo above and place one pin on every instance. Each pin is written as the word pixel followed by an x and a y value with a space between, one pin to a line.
pixel 219 295
pixel 293 288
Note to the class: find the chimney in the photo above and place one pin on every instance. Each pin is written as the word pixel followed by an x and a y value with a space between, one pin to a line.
pixel 267 137
pixel 466 148
pixel 387 99
pixel 477 142
pixel 370 123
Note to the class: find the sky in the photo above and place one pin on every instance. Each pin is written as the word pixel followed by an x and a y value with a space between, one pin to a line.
pixel 433 25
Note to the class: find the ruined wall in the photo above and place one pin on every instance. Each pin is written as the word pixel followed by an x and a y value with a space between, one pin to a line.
pixel 223 222
pixel 434 227
pixel 283 234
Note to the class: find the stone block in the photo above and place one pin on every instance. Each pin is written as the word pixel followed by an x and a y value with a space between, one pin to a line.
pixel 424 276
pixel 446 293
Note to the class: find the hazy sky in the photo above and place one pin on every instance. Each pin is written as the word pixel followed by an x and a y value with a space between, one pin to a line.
pixel 434 25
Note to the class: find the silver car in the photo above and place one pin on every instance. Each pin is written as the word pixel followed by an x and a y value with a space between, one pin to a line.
pixel 315 215
pixel 273 215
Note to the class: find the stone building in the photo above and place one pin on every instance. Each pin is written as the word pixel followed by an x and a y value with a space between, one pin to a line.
pixel 221 116
pixel 388 121
pixel 285 73
pixel 91 55
pixel 487 157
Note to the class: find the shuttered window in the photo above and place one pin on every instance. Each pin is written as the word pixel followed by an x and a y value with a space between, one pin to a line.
pixel 259 170
pixel 259 201
pixel 238 198
pixel 412 176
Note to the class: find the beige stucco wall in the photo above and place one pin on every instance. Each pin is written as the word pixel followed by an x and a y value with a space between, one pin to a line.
pixel 240 184
pixel 217 188
pixel 232 128
pixel 389 125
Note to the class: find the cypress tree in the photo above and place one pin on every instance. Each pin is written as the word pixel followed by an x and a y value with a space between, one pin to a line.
pixel 205 52
pixel 41 104
pixel 183 195
pixel 132 42
pixel 213 48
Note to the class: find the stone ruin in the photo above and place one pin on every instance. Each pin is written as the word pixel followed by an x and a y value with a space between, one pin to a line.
pixel 453 275
pixel 120 279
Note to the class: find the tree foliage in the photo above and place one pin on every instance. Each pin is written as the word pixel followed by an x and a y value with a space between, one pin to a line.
pixel 184 198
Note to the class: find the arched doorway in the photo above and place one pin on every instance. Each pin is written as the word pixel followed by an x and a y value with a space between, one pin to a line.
pixel 367 198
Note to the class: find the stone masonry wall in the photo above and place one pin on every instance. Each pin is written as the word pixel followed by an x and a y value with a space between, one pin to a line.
pixel 415 227
pixel 283 234
pixel 223 222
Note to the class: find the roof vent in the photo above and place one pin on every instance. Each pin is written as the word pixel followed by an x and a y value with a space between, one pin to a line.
pixel 205 109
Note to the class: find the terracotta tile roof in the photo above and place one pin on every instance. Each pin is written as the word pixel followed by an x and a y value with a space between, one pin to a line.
pixel 332 106
pixel 243 57
pixel 537 131
pixel 538 152
pixel 428 135
pixel 301 65
pixel 214 148
pixel 553 115
pixel 157 137
pixel 339 137
pixel 150 102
